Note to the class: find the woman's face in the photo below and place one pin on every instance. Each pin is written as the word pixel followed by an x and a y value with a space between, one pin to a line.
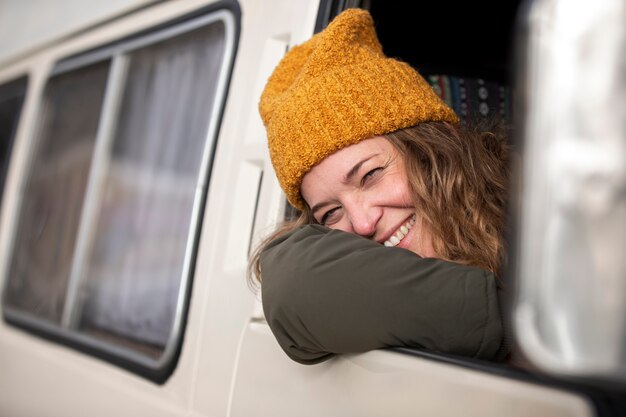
pixel 363 189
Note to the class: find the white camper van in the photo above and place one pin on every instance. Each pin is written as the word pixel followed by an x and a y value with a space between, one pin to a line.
pixel 135 178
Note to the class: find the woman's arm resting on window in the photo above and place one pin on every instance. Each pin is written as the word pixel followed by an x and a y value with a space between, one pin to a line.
pixel 327 292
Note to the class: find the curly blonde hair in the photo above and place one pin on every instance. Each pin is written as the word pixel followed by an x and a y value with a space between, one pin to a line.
pixel 459 179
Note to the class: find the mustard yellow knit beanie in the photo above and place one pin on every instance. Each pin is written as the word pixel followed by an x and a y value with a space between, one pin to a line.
pixel 335 90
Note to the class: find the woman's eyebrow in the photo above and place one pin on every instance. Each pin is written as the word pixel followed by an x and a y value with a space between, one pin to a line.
pixel 318 206
pixel 348 177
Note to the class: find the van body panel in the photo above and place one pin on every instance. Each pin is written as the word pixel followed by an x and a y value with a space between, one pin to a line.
pixel 383 383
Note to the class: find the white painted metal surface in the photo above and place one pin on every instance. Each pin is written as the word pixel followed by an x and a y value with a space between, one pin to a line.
pixel 30 25
pixel 382 383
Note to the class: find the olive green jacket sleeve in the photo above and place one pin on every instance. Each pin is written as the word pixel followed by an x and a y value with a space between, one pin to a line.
pixel 328 292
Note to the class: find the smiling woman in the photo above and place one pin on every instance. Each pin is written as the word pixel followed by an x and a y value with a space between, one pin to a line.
pixel 400 239
pixel 363 189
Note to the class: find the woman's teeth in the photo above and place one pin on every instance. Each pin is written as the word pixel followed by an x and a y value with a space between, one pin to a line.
pixel 401 232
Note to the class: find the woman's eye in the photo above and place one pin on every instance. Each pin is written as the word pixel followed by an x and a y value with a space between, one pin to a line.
pixel 370 174
pixel 328 216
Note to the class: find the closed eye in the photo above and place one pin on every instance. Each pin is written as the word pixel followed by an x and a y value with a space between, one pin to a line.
pixel 370 175
pixel 328 216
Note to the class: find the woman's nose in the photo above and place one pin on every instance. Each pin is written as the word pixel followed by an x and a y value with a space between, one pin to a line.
pixel 364 219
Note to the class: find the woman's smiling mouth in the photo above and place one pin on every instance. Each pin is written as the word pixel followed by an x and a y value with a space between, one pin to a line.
pixel 399 234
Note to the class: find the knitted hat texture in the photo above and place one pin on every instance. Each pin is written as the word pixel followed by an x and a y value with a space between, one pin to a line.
pixel 337 89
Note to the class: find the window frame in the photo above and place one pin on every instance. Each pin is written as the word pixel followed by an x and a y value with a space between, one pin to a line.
pixel 158 370
pixel 16 87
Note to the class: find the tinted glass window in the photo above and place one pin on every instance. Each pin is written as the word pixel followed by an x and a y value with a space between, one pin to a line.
pixel 133 273
pixel 52 203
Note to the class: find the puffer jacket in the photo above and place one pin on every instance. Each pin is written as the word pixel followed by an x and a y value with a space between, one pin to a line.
pixel 328 292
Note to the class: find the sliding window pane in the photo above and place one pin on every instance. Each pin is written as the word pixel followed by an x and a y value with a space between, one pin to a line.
pixel 135 265
pixel 54 193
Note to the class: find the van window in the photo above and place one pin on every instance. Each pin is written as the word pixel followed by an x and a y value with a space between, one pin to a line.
pixel 11 100
pixel 109 218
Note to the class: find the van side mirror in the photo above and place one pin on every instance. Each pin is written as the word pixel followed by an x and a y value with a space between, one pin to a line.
pixel 570 247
